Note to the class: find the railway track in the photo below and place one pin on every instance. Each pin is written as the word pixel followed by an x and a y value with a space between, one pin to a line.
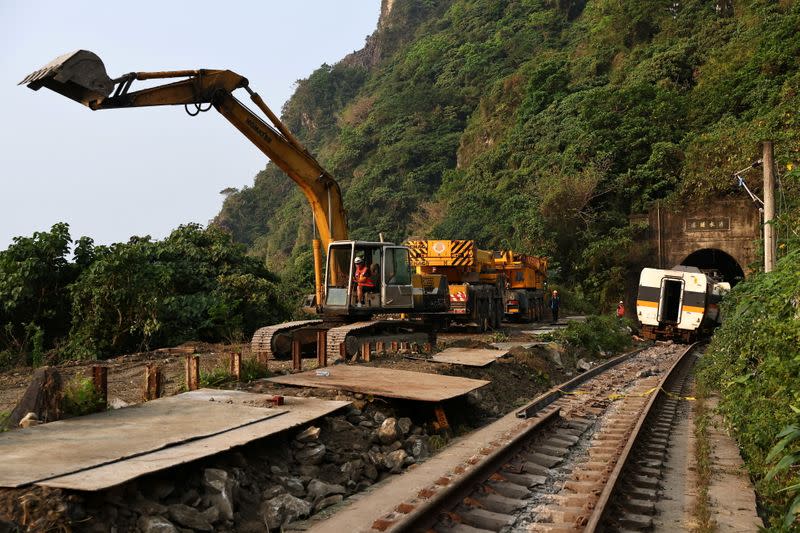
pixel 590 460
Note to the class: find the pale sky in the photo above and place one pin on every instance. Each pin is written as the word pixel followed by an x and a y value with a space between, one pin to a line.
pixel 116 173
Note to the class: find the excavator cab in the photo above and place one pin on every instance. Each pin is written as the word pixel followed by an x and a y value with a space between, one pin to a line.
pixel 367 277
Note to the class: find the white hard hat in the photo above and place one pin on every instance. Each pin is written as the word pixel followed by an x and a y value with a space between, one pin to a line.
pixel 359 260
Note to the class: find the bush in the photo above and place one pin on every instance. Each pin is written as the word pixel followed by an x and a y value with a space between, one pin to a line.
pixel 81 398
pixel 599 335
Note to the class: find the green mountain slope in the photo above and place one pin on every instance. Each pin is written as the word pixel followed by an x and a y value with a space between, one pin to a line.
pixel 538 125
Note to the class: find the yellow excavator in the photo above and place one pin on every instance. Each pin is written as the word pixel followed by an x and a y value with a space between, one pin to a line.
pixel 346 320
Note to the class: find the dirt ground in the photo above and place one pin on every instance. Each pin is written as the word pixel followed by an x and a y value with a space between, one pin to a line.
pixel 514 378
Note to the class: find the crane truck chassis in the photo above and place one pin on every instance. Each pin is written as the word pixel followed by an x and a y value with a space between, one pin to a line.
pixel 81 76
pixel 484 286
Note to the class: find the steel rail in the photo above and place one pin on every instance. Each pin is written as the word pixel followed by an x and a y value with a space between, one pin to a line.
pixel 425 515
pixel 558 391
pixel 601 506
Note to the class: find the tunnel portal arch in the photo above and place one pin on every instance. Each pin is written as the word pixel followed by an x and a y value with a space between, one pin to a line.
pixel 715 260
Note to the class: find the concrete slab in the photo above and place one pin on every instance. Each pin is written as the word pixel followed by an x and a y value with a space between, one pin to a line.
pixel 67 446
pixel 468 356
pixel 385 382
pixel 297 411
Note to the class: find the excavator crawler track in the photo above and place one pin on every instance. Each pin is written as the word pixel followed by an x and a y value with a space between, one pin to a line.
pixel 262 344
pixel 353 335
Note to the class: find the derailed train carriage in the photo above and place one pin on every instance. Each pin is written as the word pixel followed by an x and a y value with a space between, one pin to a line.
pixel 681 303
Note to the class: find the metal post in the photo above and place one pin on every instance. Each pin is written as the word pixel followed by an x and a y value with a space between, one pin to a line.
pixel 769 206
pixel 365 351
pixel 297 356
pixel 152 382
pixel 100 381
pixel 322 348
pixel 192 372
pixel 236 365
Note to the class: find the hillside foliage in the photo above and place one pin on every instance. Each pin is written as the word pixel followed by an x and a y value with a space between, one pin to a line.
pixel 539 125
pixel 754 363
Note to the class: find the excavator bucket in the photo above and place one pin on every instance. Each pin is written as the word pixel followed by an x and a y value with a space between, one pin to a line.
pixel 80 76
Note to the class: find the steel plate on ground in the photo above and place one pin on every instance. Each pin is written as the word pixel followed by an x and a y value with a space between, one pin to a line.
pixel 299 411
pixel 385 382
pixel 68 446
pixel 468 356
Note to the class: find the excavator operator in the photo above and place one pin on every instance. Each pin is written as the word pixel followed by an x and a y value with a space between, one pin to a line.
pixel 363 279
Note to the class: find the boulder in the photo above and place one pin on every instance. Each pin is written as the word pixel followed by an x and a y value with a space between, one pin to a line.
pixel 272 491
pixel 375 458
pixel 310 434
pixel 189 517
pixel 583 365
pixel 388 432
pixel 219 487
pixel 155 524
pixel 318 490
pixel 29 420
pixel 404 425
pixel 394 461
pixel 212 514
pixel 295 487
pixel 353 469
pixel 327 502
pixel 160 489
pixel 417 446
pixel 283 509
pixel 312 455
pixel 339 425
pixel 310 471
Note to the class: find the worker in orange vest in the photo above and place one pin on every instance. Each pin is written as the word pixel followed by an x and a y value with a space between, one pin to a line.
pixel 363 279
pixel 620 309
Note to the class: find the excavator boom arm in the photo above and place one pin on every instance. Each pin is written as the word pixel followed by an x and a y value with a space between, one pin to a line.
pixel 81 76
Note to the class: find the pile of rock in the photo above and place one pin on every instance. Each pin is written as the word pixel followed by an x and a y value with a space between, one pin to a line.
pixel 269 483
pixel 344 455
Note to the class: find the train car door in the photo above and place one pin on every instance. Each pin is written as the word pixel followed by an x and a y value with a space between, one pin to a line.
pixel 670 301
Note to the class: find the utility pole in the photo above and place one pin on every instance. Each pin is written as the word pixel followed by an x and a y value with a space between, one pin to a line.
pixel 769 207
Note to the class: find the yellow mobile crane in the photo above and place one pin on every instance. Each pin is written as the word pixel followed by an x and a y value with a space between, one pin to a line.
pixel 476 286
pixel 81 76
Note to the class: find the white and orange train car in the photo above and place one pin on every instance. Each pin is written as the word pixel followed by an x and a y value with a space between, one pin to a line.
pixel 681 303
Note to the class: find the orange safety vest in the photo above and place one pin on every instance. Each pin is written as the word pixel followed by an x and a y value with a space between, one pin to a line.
pixel 363 276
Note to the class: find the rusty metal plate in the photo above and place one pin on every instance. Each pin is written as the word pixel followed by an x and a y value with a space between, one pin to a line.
pixel 68 446
pixel 469 356
pixel 298 411
pixel 384 382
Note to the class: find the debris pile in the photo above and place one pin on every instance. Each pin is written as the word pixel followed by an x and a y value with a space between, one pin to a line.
pixel 266 484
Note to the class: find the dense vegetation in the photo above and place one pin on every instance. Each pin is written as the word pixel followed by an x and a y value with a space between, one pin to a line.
pixel 536 124
pixel 754 361
pixel 196 284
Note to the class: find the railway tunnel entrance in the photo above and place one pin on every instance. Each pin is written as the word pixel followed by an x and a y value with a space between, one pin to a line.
pixel 718 262
pixel 721 234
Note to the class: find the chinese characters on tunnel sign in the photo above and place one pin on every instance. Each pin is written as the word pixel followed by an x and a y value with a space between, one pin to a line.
pixel 708 224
